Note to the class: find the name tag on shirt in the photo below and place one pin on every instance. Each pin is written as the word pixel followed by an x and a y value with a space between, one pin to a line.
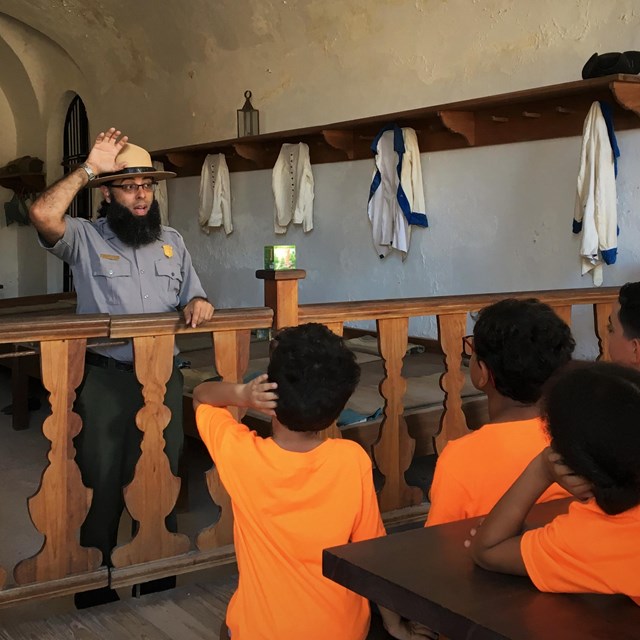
pixel 108 256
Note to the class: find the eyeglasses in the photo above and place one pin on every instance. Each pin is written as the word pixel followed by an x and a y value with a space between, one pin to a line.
pixel 467 346
pixel 147 187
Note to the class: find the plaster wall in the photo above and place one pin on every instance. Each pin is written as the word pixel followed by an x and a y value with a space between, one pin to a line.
pixel 174 73
pixel 181 75
pixel 37 77
pixel 500 220
pixel 8 235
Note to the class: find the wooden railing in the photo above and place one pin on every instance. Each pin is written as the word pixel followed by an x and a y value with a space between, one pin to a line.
pixel 61 503
pixel 394 448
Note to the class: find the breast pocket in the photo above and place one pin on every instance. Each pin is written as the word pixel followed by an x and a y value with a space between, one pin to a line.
pixel 112 279
pixel 170 278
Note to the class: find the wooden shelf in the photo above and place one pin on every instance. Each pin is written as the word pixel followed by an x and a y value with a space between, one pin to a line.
pixel 555 111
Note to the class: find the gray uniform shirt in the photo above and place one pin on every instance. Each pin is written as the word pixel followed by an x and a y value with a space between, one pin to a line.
pixel 112 277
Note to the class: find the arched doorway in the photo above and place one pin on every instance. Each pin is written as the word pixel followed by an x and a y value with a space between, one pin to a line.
pixel 76 149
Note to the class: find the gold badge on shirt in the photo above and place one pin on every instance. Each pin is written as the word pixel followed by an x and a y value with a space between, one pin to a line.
pixel 168 250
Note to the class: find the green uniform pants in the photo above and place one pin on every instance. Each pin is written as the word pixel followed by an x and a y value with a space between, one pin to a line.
pixel 108 446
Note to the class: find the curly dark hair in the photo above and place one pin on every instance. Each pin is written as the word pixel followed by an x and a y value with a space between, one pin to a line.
pixel 522 342
pixel 316 375
pixel 592 413
pixel 629 315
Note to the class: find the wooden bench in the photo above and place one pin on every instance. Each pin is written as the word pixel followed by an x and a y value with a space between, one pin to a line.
pixel 26 361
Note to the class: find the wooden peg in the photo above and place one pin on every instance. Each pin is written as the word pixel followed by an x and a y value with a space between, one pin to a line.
pixel 499 119
pixel 531 114
pixel 564 110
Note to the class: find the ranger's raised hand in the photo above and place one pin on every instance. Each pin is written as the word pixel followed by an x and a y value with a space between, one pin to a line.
pixel 102 157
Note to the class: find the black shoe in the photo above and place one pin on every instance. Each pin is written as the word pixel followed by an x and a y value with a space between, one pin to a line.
pixel 95 597
pixel 153 586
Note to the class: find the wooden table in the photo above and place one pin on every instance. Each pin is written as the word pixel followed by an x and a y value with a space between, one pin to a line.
pixel 427 575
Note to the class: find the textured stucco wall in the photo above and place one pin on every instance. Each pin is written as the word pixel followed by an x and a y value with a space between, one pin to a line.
pixel 500 220
pixel 173 73
pixel 8 244
pixel 36 76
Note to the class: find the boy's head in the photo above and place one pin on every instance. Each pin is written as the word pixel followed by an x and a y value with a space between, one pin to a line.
pixel 316 375
pixel 592 412
pixel 624 327
pixel 518 345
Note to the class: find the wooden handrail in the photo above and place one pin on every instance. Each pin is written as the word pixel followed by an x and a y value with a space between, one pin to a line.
pixel 325 312
pixel 57 327
pixel 157 324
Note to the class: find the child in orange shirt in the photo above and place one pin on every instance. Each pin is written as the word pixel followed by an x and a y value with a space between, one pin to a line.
pixel 624 327
pixel 295 493
pixel 592 413
pixel 516 346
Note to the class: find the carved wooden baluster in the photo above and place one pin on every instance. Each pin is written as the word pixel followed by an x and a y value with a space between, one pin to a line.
pixel 564 312
pixel 232 359
pixel 394 449
pixel 453 423
pixel 153 492
pixel 62 501
pixel 334 431
pixel 601 313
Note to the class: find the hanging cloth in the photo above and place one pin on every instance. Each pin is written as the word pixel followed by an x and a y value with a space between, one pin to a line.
pixel 293 188
pixel 161 195
pixel 215 194
pixel 595 213
pixel 396 197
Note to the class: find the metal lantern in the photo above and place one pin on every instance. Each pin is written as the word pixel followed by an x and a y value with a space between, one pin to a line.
pixel 248 118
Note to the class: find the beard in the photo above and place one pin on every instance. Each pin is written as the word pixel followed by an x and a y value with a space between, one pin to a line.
pixel 134 231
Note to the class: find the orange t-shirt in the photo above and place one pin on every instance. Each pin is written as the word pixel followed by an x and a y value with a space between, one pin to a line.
pixel 585 551
pixel 475 471
pixel 288 507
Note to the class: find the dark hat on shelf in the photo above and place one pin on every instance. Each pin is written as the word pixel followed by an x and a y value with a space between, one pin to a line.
pixel 607 64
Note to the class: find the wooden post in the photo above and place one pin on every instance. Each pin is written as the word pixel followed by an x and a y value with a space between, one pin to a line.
pixel 601 313
pixel 61 503
pixel 232 359
pixel 153 492
pixel 453 423
pixel 394 449
pixel 281 294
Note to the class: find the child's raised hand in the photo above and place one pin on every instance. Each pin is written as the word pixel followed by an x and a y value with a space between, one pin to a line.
pixel 259 394
pixel 559 472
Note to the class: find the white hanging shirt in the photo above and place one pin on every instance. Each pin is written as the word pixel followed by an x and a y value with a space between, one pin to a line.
pixel 293 184
pixel 215 194
pixel 596 203
pixel 161 195
pixel 396 197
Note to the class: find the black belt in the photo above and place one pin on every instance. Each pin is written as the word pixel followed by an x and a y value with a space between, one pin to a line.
pixel 106 363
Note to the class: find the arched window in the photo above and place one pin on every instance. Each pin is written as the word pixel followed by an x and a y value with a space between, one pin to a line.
pixel 76 148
